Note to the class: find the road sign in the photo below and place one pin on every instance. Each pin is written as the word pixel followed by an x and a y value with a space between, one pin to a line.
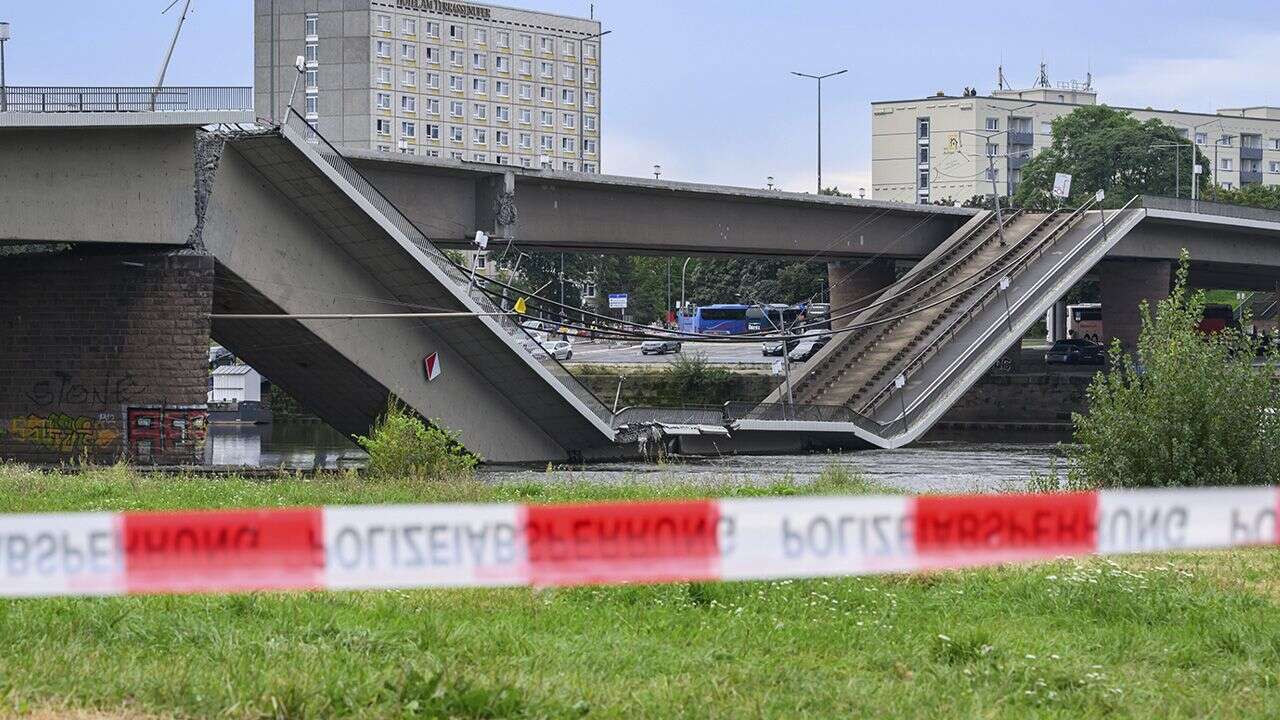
pixel 1004 282
pixel 1062 185
pixel 1100 195
pixel 900 382
pixel 617 301
pixel 482 240
pixel 431 364
pixel 779 368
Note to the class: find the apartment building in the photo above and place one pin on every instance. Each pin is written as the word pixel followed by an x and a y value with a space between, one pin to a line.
pixel 948 146
pixel 479 83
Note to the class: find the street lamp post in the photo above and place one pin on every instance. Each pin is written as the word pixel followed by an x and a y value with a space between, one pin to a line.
pixel 4 87
pixel 819 78
pixel 657 172
pixel 682 269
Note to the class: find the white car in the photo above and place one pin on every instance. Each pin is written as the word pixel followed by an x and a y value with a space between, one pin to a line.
pixel 803 350
pixel 558 349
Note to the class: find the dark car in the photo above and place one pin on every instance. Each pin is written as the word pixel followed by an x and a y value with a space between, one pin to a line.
pixel 1076 352
pixel 773 348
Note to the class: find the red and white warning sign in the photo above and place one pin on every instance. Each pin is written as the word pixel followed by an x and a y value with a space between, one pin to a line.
pixel 408 546
pixel 431 364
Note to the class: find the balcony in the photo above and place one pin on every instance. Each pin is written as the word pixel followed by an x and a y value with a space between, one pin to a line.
pixel 1250 177
pixel 1019 157
pixel 125 99
pixel 1251 153
pixel 1021 137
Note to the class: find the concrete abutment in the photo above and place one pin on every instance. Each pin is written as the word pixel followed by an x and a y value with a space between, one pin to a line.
pixel 1125 285
pixel 853 283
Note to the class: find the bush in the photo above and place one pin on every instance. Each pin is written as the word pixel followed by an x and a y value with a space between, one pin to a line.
pixel 400 444
pixel 690 380
pixel 1191 409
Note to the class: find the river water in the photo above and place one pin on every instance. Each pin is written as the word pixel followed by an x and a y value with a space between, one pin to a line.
pixel 943 466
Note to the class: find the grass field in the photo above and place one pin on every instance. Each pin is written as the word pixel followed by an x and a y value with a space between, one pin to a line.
pixel 1169 636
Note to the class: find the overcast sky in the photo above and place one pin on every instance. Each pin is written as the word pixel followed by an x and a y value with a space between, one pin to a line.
pixel 702 86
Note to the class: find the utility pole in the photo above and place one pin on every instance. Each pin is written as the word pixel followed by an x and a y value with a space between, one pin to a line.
pixel 4 87
pixel 819 78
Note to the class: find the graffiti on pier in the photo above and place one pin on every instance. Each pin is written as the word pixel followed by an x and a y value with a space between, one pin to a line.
pixel 155 430
pixel 63 433
pixel 67 391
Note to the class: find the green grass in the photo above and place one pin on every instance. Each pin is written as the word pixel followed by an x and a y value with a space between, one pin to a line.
pixel 1193 635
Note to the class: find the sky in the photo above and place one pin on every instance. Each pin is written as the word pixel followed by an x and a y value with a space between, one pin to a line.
pixel 703 87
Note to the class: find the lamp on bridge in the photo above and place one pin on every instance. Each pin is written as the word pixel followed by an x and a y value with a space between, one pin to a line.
pixel 770 182
pixel 4 88
pixel 657 172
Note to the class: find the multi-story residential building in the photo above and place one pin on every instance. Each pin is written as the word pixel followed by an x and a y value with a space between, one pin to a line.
pixel 470 82
pixel 948 146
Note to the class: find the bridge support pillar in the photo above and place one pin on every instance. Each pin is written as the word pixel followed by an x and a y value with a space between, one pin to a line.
pixel 1126 284
pixel 104 355
pixel 1058 321
pixel 852 281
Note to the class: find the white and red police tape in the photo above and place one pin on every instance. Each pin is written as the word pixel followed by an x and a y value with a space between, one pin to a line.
pixel 408 546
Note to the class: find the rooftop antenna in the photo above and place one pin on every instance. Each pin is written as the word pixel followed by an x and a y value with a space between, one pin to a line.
pixel 1000 81
pixel 1043 80
pixel 1088 74
pixel 186 9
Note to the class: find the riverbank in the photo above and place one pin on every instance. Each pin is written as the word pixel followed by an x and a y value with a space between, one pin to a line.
pixel 1066 639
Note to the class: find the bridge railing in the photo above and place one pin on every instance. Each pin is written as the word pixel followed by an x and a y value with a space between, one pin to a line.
pixel 684 415
pixel 48 99
pixel 303 131
pixel 1209 207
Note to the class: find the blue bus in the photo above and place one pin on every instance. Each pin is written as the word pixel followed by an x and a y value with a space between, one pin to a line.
pixel 716 320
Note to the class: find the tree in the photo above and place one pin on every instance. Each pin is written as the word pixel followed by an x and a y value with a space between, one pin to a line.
pixel 1189 409
pixel 1259 196
pixel 834 191
pixel 1107 149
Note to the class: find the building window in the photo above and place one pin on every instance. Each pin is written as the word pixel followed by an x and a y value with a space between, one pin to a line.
pixel 313 26
pixel 922 128
pixel 1202 138
pixel 568 96
pixel 480 157
pixel 992 149
pixel 432 55
pixel 502 88
pixel 479 136
pixel 455 155
pixel 482 261
pixel 526 67
pixel 455 134
pixel 313 105
pixel 567 74
pixel 569 48
pixel 408 52
pixel 589 51
pixel 309 53
pixel 433 81
pixel 1225 164
pixel 410 78
pixel 589 167
pixel 568 144
pixel 548 120
pixel 433 29
pixel 384 23
pixel 501 64
pixel 924 155
pixel 456 32
pixel 431 132
pixel 433 153
pixel 405 150
pixel 1275 166
pixel 502 138
pixel 547 70
pixel 456 109
pixel 548 143
pixel 526 162
pixel 589 75
pixel 589 122
pixel 313 79
pixel 589 146
pixel 1046 127
pixel 1275 143
pixel 544 93
pixel 480 111
pixel 433 106
pixel 479 61
pixel 502 113
pixel 409 103
pixel 383 126
pixel 546 45
pixel 408 129
pixel 383 49
pixel 1226 140
pixel 503 39
pixel 384 148
pixel 589 98
pixel 526 42
pixel 481 36
pixel 408 26
pixel 993 123
pixel 567 165
pixel 384 101
pixel 455 83
pixel 384 76
pixel 455 58
pixel 569 120
pixel 526 116
pixel 480 86
pixel 526 91
pixel 526 141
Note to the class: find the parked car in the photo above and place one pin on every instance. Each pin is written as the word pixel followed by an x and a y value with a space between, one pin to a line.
pixel 1077 351
pixel 659 347
pixel 773 348
pixel 558 349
